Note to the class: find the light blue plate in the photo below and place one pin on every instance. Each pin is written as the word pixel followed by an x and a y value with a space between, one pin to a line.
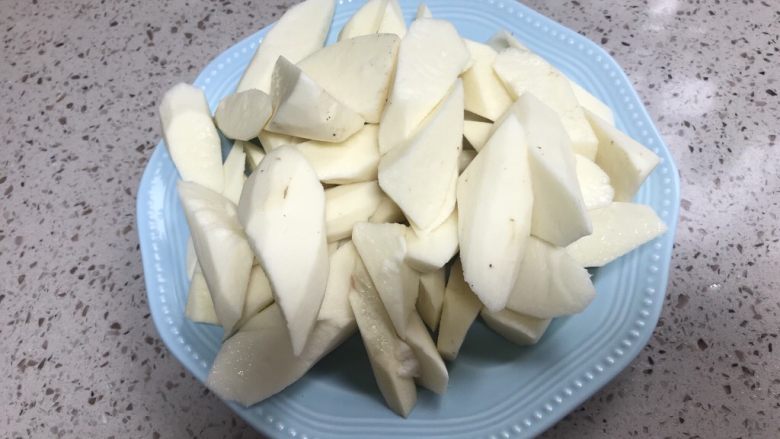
pixel 496 389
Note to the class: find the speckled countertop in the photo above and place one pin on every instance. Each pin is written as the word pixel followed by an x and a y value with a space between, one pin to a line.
pixel 79 85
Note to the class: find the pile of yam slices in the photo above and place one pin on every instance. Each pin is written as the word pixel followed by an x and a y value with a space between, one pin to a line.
pixel 397 183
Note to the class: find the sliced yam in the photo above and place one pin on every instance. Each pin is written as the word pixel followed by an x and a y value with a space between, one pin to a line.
pixel 392 361
pixel 190 136
pixel 241 116
pixel 245 372
pixel 551 283
pixel 382 248
pixel 418 175
pixel 503 40
pixel 236 372
pixel 591 103
pixel 430 58
pixel 430 251
pixel 233 169
pixel 477 133
pixel 626 161
pixel 495 201
pixel 523 71
pixel 298 33
pixel 258 293
pixel 304 109
pixel 271 141
pixel 222 249
pixel 433 373
pixel 393 20
pixel 254 154
pixel 349 204
pixel 518 328
pixel 467 115
pixel 597 192
pixel 192 258
pixel 387 212
pixel 444 211
pixel 464 158
pixel 365 21
pixel 335 305
pixel 485 95
pixel 200 307
pixel 351 161
pixel 431 297
pixel 282 209
pixel 617 229
pixel 459 310
pixel 559 213
pixel 423 11
pixel 357 72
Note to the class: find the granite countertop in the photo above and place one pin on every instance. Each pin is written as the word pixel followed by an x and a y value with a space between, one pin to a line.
pixel 80 82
